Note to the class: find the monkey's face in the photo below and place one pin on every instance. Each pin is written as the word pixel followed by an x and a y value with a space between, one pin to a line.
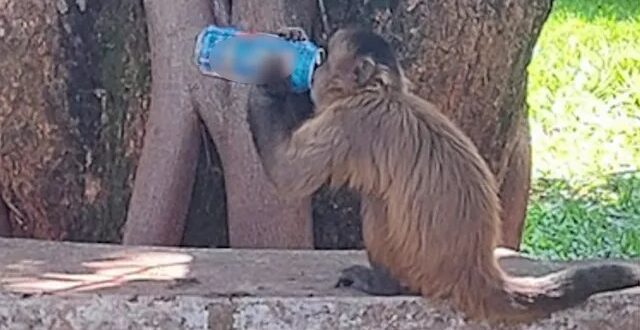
pixel 318 83
pixel 334 77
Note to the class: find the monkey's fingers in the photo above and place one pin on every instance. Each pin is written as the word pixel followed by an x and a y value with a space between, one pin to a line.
pixel 292 34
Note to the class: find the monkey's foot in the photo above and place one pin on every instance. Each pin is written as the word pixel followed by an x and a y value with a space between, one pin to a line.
pixel 292 34
pixel 370 281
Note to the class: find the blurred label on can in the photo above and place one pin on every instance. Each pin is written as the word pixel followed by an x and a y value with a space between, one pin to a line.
pixel 231 54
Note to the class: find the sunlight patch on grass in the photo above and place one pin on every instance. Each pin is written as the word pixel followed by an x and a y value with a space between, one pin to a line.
pixel 584 108
pixel 584 97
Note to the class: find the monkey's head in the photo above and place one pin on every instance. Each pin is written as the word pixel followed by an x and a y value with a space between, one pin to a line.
pixel 357 61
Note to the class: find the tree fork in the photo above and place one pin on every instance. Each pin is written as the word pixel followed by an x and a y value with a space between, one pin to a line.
pixel 73 102
pixel 181 95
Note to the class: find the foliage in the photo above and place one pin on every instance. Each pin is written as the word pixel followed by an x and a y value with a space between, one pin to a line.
pixel 584 106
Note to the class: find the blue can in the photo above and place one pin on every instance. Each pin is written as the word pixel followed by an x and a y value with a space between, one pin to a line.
pixel 228 53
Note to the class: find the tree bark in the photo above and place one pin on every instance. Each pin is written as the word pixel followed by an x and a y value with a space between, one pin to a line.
pixel 207 218
pixel 5 225
pixel 73 95
pixel 469 58
pixel 514 191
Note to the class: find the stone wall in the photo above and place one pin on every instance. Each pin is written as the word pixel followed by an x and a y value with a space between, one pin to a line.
pixel 52 285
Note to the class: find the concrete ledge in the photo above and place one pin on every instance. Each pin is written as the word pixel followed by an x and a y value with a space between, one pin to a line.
pixel 50 285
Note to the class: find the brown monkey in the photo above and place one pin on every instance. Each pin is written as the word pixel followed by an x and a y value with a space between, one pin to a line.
pixel 429 202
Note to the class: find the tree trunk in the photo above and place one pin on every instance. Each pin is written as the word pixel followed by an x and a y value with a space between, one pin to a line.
pixel 73 95
pixel 207 218
pixel 469 58
pixel 166 172
pixel 5 224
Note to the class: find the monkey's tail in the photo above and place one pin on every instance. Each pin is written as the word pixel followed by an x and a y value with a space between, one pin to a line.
pixel 523 299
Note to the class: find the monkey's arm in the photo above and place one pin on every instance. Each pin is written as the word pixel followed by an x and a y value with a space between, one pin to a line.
pixel 274 112
pixel 297 155
pixel 296 152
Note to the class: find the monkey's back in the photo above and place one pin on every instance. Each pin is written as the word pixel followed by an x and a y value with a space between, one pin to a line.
pixel 437 193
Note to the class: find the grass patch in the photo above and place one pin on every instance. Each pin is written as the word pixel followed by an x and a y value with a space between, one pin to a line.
pixel 588 219
pixel 584 105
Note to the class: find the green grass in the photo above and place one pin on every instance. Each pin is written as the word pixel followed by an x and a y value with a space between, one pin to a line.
pixel 584 105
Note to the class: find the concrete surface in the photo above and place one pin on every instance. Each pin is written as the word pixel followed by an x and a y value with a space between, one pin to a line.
pixel 53 285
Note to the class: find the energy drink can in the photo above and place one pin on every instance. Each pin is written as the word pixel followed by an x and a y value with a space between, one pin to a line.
pixel 231 54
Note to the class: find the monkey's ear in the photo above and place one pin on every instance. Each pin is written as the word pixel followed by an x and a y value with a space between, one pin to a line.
pixel 365 69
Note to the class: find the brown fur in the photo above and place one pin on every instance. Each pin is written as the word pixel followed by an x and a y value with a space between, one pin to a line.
pixel 430 206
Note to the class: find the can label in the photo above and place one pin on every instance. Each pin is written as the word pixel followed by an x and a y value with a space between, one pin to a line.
pixel 227 53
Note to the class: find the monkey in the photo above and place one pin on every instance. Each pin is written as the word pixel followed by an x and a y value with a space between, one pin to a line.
pixel 430 206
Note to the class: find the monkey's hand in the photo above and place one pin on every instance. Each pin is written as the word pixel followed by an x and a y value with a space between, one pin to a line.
pixel 292 33
pixel 371 281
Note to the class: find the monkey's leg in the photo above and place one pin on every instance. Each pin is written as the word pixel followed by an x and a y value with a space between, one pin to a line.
pixel 374 281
